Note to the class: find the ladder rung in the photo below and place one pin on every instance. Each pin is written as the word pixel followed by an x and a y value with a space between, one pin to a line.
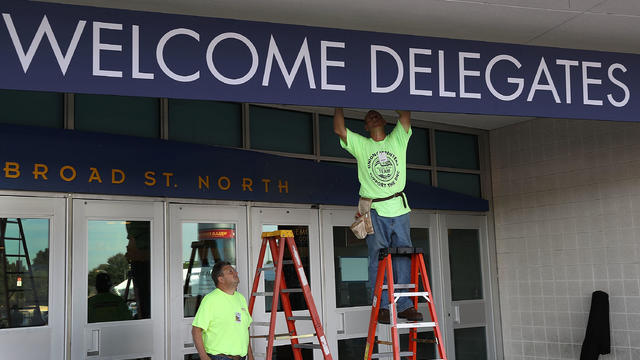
pixel 12 238
pixel 291 290
pixel 384 342
pixel 273 267
pixel 411 293
pixel 15 255
pixel 289 337
pixel 426 341
pixel 400 286
pixel 267 336
pixel 302 317
pixel 264 293
pixel 11 221
pixel 307 346
pixel 390 354
pixel 409 325
pixel 261 323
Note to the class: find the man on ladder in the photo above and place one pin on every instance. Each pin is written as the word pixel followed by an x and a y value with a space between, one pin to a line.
pixel 382 174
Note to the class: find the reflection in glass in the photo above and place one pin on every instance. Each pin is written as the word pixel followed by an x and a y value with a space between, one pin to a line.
pixel 351 263
pixel 290 276
pixel 203 245
pixel 24 272
pixel 353 348
pixel 470 343
pixel 426 345
pixel 464 260
pixel 120 249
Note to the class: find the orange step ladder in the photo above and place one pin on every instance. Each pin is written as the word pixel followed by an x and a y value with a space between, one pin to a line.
pixel 418 277
pixel 277 241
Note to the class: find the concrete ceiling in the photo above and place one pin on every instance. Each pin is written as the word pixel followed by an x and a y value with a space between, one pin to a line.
pixel 606 25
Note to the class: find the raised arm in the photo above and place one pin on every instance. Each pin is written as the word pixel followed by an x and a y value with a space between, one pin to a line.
pixel 338 124
pixel 405 119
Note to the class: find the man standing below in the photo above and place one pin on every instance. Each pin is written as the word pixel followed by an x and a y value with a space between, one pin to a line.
pixel 382 173
pixel 221 327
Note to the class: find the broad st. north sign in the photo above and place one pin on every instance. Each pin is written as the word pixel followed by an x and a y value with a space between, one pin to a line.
pixel 67 48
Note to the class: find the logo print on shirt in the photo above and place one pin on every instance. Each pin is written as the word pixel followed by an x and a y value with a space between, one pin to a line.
pixel 383 168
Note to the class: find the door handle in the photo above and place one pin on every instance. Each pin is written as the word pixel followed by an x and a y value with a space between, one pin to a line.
pixel 456 314
pixel 94 350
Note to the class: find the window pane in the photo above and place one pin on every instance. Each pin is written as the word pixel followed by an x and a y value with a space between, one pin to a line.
pixel 205 122
pixel 353 348
pixel 330 142
pixel 25 284
pixel 290 276
pixel 457 150
pixel 203 245
pixel 465 264
pixel 36 108
pixel 351 268
pixel 426 351
pixel 468 184
pixel 418 149
pixel 281 130
pixel 125 115
pixel 470 343
pixel 420 176
pixel 119 275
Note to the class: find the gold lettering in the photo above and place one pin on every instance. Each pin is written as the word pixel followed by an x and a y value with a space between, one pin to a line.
pixel 284 186
pixel 113 176
pixel 266 184
pixel 151 180
pixel 40 170
pixel 226 180
pixel 246 184
pixel 68 178
pixel 204 182
pixel 95 175
pixel 11 170
pixel 168 177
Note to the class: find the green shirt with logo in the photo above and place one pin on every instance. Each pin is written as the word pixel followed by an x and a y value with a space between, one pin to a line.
pixel 382 168
pixel 224 320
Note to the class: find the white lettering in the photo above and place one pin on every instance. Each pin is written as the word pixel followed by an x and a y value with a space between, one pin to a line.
pixel 254 58
pixel 620 84
pixel 135 61
pixel 324 64
pixel 413 69
pixel 586 81
pixel 160 55
pixel 542 68
pixel 98 46
pixel 518 81
pixel 374 71
pixel 44 29
pixel 443 92
pixel 303 54
pixel 465 73
pixel 567 76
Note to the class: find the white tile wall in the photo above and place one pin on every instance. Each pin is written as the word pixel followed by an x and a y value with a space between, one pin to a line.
pixel 567 217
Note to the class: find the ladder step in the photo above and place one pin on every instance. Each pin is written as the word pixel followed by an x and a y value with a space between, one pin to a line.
pixel 267 336
pixel 294 318
pixel 289 337
pixel 291 290
pixel 390 354
pixel 265 293
pixel 400 286
pixel 409 325
pixel 411 293
pixel 15 255
pixel 12 238
pixel 307 346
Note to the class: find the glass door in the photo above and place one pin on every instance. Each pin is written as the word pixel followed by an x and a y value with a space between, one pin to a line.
pixel 32 277
pixel 118 280
pixel 348 299
pixel 467 288
pixel 304 224
pixel 201 235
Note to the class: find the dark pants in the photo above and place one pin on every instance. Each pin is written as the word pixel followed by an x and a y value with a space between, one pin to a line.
pixel 220 357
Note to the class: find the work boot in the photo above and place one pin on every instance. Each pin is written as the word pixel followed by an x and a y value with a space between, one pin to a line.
pixel 384 317
pixel 410 314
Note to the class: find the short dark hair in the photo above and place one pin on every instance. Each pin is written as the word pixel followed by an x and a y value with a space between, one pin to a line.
pixel 216 272
pixel 103 282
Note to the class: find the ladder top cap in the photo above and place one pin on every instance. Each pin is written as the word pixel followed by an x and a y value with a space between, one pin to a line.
pixel 278 233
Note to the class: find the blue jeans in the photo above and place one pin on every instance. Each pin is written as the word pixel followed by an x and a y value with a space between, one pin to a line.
pixel 390 232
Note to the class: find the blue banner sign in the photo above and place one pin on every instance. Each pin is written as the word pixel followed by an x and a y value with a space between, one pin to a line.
pixel 77 162
pixel 68 48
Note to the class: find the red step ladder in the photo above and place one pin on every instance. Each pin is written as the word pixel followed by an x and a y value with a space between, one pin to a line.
pixel 418 276
pixel 277 240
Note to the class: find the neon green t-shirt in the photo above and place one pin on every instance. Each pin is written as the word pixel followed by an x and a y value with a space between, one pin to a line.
pixel 224 320
pixel 382 168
